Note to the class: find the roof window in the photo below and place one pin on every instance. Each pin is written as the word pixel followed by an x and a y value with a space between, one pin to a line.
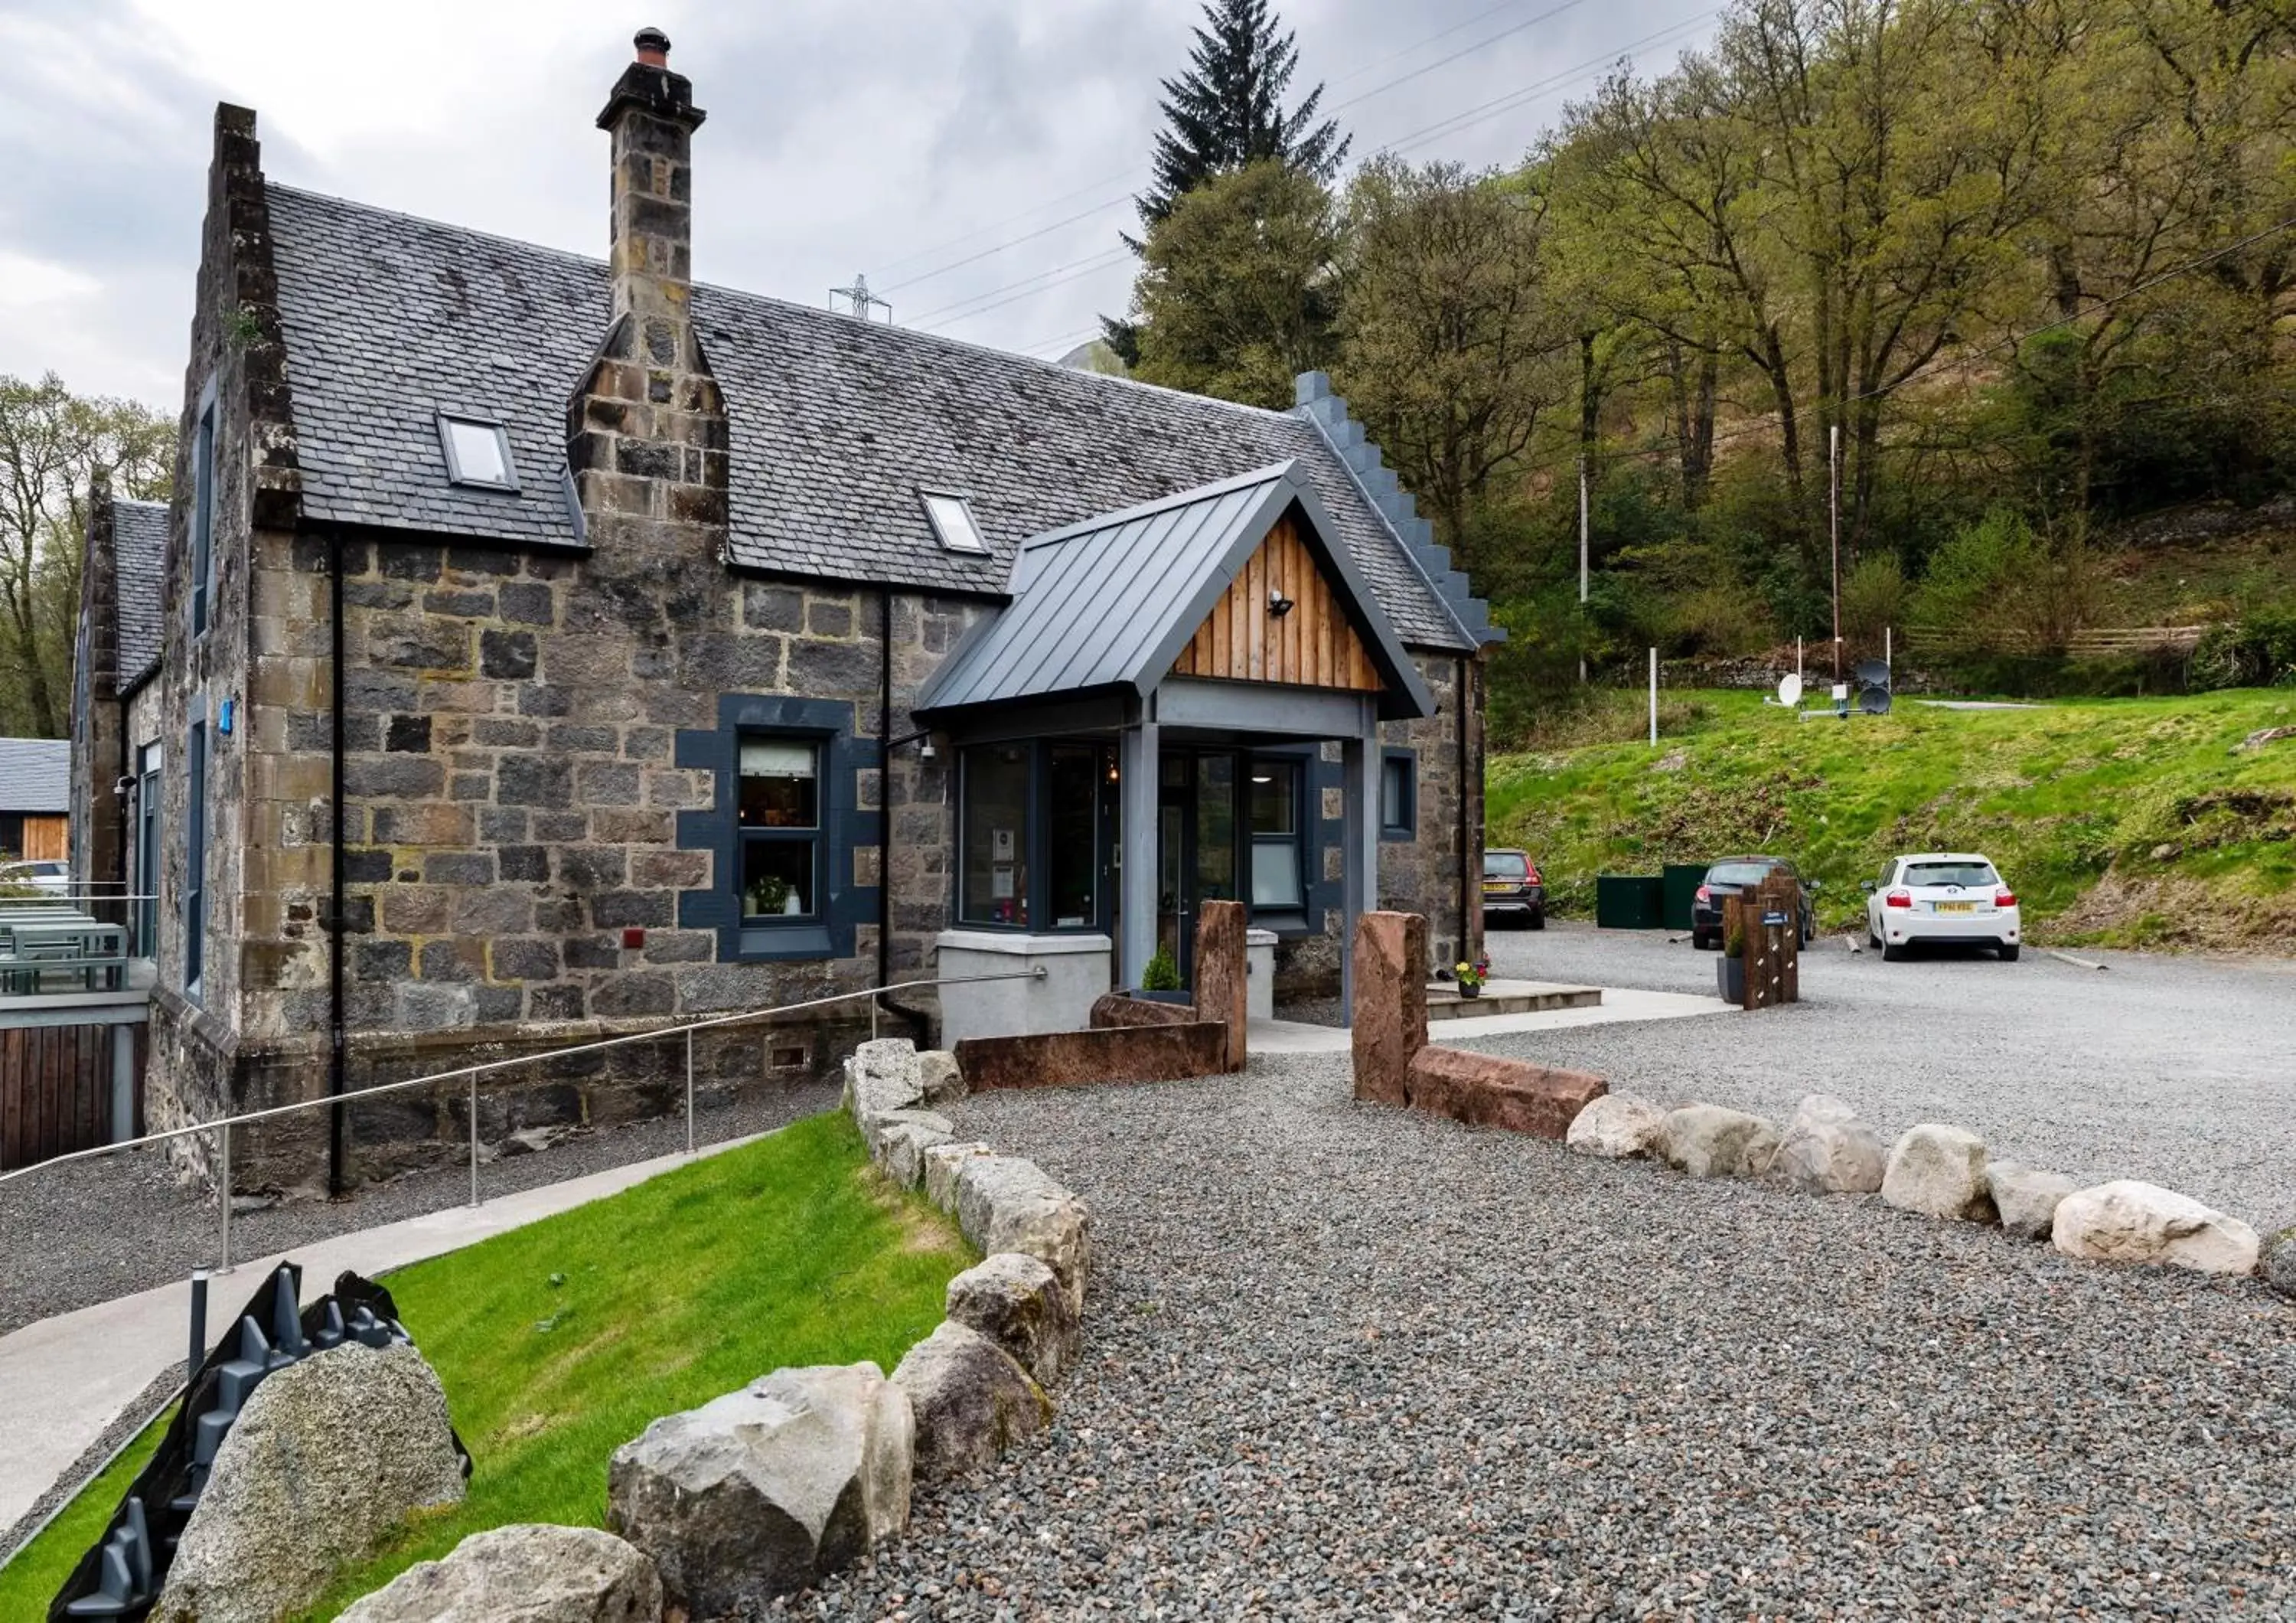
pixel 952 521
pixel 478 453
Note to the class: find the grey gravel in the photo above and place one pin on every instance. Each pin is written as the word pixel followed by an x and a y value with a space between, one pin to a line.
pixel 88 1232
pixel 1344 1361
pixel 139 1413
pixel 2179 1071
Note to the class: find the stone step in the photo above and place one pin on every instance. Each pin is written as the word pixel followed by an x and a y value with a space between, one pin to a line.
pixel 1508 997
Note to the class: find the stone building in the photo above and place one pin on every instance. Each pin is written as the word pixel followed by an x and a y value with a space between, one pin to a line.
pixel 606 650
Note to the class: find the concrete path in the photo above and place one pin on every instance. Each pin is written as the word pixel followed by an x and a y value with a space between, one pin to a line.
pixel 68 1378
pixel 1618 1004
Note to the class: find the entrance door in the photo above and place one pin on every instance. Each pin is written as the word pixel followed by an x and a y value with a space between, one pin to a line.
pixel 147 854
pixel 1195 847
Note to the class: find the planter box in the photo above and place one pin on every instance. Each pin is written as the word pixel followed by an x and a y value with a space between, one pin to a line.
pixel 1730 980
pixel 1162 997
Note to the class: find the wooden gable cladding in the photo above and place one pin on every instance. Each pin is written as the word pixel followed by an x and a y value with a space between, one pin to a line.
pixel 1315 645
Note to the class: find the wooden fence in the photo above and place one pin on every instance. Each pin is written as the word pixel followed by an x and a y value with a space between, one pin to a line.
pixel 2090 642
pixel 56 1090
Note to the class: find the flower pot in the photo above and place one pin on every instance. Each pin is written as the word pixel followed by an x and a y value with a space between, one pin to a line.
pixel 1730 980
pixel 1466 990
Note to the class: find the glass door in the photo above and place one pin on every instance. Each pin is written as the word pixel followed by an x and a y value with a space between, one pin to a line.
pixel 147 854
pixel 1175 829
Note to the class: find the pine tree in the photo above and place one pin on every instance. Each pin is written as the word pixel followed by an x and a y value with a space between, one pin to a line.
pixel 1228 110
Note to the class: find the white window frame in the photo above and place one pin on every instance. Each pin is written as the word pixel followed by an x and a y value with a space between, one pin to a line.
pixel 455 473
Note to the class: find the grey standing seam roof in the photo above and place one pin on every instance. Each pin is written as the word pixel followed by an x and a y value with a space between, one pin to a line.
pixel 36 776
pixel 139 544
pixel 837 425
pixel 1111 602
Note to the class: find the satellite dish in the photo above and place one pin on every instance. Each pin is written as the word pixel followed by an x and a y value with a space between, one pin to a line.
pixel 1872 673
pixel 1790 689
pixel 1874 700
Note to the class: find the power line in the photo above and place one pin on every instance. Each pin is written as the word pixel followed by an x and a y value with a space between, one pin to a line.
pixel 1102 208
pixel 1085 268
pixel 1096 260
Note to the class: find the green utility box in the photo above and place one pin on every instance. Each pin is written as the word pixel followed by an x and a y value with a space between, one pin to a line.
pixel 1629 902
pixel 1682 880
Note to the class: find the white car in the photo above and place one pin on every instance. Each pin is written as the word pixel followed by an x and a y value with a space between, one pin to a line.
pixel 1941 896
pixel 53 878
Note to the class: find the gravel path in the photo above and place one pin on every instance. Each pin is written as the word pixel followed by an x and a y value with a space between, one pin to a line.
pixel 1347 1362
pixel 2179 1071
pixel 96 1230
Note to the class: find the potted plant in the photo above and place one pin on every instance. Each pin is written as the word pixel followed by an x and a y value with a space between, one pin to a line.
pixel 1160 979
pixel 1730 974
pixel 1471 977
pixel 767 896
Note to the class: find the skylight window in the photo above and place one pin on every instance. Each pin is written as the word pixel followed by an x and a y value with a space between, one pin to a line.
pixel 952 521
pixel 478 453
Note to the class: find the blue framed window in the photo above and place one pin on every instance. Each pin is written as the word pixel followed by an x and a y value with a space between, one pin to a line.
pixel 203 503
pixel 1279 843
pixel 786 822
pixel 1398 795
pixel 195 863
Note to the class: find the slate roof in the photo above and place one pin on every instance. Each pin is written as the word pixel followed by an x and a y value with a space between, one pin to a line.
pixel 36 776
pixel 837 423
pixel 1111 602
pixel 139 543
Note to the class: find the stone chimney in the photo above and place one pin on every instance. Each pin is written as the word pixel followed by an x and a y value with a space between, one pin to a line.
pixel 645 432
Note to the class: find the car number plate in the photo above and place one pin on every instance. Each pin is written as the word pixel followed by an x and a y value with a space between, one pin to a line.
pixel 1498 885
pixel 1955 907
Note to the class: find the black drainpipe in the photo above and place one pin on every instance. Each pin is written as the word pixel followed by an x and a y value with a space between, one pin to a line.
pixel 917 1018
pixel 1471 882
pixel 335 1058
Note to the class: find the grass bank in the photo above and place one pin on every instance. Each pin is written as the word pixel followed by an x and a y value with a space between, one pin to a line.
pixel 2123 822
pixel 560 1341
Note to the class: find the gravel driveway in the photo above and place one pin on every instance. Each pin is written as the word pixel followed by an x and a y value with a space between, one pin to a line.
pixel 1344 1361
pixel 2179 1071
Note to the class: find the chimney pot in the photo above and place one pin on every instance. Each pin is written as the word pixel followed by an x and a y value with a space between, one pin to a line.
pixel 653 47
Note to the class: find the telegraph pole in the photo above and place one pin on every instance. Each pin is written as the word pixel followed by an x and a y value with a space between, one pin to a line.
pixel 1834 510
pixel 1582 568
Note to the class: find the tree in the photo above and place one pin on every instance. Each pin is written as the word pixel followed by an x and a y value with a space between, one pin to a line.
pixel 1450 342
pixel 1228 110
pixel 54 447
pixel 1225 113
pixel 1236 292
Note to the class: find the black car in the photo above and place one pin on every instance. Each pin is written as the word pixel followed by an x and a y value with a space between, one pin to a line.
pixel 1732 874
pixel 1513 892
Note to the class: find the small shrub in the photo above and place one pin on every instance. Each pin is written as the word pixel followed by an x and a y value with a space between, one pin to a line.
pixel 1162 973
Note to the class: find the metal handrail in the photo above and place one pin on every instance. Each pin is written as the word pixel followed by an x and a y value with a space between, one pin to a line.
pixel 222 1127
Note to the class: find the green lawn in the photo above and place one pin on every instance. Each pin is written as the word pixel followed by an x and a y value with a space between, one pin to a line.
pixel 2122 821
pixel 560 1341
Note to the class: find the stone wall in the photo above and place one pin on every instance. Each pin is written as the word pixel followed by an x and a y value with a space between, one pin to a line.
pixel 96 748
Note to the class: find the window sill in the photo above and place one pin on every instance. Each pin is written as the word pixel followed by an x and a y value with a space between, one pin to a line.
pixel 1397 836
pixel 1288 924
pixel 769 942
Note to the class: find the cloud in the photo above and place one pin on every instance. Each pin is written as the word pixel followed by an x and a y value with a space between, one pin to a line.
pixel 896 140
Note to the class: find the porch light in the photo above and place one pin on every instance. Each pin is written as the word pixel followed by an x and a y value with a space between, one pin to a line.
pixel 1278 604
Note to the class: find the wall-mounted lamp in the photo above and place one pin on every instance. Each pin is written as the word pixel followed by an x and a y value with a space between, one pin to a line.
pixel 923 736
pixel 1278 604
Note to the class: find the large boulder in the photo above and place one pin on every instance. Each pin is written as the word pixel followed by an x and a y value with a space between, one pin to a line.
pixel 1617 1126
pixel 938 1072
pixel 2129 1222
pixel 525 1574
pixel 882 1074
pixel 1939 1172
pixel 2026 1198
pixel 972 1401
pixel 1006 1204
pixel 763 1491
pixel 898 1139
pixel 1712 1141
pixel 2275 1262
pixel 326 1461
pixel 942 1163
pixel 1017 1302
pixel 1828 1151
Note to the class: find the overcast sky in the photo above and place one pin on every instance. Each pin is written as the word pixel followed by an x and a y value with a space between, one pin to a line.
pixel 913 140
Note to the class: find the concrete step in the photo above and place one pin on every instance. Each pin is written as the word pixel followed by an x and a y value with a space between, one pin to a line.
pixel 1508 997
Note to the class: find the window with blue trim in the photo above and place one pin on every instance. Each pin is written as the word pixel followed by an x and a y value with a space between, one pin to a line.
pixel 195 864
pixel 1398 795
pixel 780 812
pixel 1278 850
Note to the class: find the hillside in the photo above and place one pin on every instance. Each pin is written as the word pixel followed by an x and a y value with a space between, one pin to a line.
pixel 2130 822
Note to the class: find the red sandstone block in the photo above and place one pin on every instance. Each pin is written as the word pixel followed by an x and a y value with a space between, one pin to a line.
pixel 1389 1016
pixel 1490 1091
